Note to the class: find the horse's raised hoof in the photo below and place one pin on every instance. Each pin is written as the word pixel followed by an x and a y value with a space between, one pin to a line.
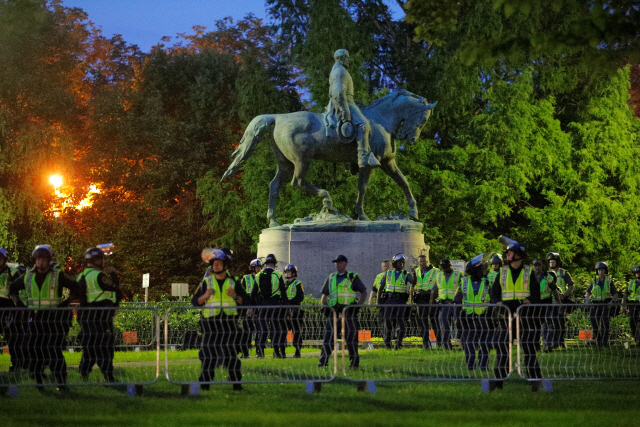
pixel 413 214
pixel 273 223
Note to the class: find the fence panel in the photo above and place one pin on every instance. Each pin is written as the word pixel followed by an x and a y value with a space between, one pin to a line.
pixel 425 342
pixel 578 341
pixel 79 346
pixel 257 345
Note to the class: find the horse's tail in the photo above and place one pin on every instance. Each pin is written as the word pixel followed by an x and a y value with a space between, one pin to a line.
pixel 252 135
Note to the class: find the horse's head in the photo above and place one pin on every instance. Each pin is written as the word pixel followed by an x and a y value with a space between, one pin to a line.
pixel 416 113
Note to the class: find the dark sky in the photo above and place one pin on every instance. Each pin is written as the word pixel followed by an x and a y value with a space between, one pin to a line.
pixel 145 22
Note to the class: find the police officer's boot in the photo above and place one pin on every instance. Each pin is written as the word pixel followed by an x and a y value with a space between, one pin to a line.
pixel 283 354
pixel 297 355
pixel 276 353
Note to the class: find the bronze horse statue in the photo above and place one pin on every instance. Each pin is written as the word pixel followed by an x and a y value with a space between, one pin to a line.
pixel 302 136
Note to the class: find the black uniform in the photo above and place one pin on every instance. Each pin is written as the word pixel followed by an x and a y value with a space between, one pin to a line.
pixel 295 315
pixel 96 327
pixel 394 317
pixel 219 332
pixel 270 320
pixel 48 329
pixel 600 314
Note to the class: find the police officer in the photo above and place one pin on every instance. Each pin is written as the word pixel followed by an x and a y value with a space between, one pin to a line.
pixel 341 289
pixel 248 324
pixel 424 277
pixel 395 288
pixel 601 294
pixel 447 284
pixel 473 294
pixel 384 266
pixel 632 302
pixel 270 291
pixel 516 285
pixel 295 316
pixel 101 290
pixel 10 321
pixel 48 328
pixel 496 265
pixel 554 336
pixel 548 294
pixel 219 295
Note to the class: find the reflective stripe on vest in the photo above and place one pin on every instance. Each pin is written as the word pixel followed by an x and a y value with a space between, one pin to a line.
pixel 447 288
pixel 519 290
pixel 562 284
pixel 469 299
pixel 341 293
pixel 399 285
pixel 249 282
pixel 47 295
pixel 491 277
pixel 378 280
pixel 425 283
pixel 5 280
pixel 634 290
pixel 598 293
pixel 291 290
pixel 94 290
pixel 220 300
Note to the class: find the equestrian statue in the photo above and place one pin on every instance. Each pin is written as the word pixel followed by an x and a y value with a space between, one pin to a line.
pixel 343 134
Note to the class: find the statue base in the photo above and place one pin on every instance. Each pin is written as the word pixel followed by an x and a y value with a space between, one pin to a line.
pixel 312 243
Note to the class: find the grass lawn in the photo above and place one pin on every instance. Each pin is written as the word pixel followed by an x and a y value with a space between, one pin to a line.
pixel 573 403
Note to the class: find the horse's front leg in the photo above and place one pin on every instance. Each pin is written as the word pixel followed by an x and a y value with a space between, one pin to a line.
pixel 363 185
pixel 299 181
pixel 391 169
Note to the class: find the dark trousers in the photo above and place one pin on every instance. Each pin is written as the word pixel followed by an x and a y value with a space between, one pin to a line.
pixel 394 321
pixel 634 320
pixel 446 317
pixel 529 333
pixel 13 327
pixel 219 348
pixel 600 318
pixel 434 318
pixel 46 337
pixel 423 316
pixel 475 337
pixel 98 342
pixel 271 321
pixel 554 328
pixel 295 322
pixel 350 338
pixel 248 329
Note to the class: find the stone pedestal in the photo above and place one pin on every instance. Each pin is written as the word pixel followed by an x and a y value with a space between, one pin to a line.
pixel 312 244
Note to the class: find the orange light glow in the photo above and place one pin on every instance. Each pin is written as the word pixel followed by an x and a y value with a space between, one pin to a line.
pixel 55 180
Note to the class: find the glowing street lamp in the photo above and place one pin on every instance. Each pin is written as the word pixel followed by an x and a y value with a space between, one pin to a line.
pixel 55 180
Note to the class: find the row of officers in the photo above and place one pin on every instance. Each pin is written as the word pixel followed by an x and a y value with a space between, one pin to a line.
pixel 447 296
pixel 36 336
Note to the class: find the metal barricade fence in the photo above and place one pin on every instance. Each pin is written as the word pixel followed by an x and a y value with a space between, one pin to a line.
pixel 402 342
pixel 578 341
pixel 79 346
pixel 207 346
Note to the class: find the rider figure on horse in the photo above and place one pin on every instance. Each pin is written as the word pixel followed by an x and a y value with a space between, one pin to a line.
pixel 344 109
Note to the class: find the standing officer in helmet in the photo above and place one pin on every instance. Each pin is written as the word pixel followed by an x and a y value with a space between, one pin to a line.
pixel 447 284
pixel 601 294
pixel 270 291
pixel 11 322
pixel 548 294
pixel 424 277
pixel 555 334
pixel 219 295
pixel 248 324
pixel 496 265
pixel 100 290
pixel 395 288
pixel 473 294
pixel 295 316
pixel 516 285
pixel 632 301
pixel 48 328
pixel 341 289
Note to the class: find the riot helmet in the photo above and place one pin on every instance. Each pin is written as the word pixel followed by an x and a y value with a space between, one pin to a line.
pixel 93 254
pixel 635 269
pixel 3 253
pixel 555 256
pixel 271 259
pixel 398 261
pixel 602 266
pixel 291 267
pixel 42 251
